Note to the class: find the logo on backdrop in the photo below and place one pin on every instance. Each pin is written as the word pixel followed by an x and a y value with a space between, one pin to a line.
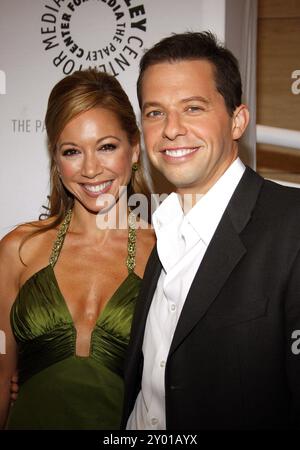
pixel 106 34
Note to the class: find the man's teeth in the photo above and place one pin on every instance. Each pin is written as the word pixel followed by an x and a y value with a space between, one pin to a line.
pixel 180 152
pixel 98 187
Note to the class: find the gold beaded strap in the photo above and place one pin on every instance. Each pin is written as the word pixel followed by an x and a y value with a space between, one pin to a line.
pixel 130 262
pixel 60 238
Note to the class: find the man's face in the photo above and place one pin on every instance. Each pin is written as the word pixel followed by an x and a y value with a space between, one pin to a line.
pixel 189 134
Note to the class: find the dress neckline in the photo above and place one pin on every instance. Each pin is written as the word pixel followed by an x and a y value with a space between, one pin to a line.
pixel 108 304
pixel 130 263
pixel 56 249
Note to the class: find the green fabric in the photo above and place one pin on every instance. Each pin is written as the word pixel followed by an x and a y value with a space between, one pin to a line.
pixel 59 390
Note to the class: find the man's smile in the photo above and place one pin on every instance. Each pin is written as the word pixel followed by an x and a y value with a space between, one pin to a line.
pixel 178 152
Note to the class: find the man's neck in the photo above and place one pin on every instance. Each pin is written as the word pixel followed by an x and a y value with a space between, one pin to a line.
pixel 188 200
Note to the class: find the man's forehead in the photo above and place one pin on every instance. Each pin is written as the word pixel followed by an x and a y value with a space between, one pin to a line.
pixel 178 71
pixel 184 79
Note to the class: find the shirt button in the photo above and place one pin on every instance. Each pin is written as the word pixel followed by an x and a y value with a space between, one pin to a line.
pixel 162 363
pixel 173 307
pixel 154 421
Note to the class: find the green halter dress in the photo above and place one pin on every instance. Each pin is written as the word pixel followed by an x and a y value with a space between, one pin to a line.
pixel 58 389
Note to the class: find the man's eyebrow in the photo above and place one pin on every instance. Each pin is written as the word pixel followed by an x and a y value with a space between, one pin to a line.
pixel 150 105
pixel 197 98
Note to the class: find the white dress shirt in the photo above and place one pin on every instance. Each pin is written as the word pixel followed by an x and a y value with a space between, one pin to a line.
pixel 182 241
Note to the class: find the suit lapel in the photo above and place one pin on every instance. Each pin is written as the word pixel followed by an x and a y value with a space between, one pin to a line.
pixel 223 254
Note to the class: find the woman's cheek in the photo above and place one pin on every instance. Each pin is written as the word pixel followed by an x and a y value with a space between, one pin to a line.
pixel 69 168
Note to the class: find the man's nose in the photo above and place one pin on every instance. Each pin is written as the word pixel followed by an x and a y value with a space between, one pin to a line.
pixel 174 126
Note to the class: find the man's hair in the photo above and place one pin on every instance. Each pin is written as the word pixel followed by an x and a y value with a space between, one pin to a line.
pixel 202 46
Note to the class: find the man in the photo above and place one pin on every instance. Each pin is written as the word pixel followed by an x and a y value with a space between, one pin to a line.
pixel 214 338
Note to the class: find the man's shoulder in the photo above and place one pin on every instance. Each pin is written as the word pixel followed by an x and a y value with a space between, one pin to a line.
pixel 272 191
pixel 280 194
pixel 268 201
pixel 279 206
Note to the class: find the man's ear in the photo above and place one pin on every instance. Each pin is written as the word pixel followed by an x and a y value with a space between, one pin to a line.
pixel 240 121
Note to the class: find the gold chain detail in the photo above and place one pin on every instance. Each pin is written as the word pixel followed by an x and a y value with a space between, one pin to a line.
pixel 60 238
pixel 130 262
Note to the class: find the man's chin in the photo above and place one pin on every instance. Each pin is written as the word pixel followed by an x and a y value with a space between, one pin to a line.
pixel 179 183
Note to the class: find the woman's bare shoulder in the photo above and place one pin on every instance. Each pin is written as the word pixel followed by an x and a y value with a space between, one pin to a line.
pixel 15 236
pixel 11 242
pixel 11 266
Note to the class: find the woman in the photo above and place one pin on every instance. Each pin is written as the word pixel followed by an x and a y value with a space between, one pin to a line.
pixel 68 288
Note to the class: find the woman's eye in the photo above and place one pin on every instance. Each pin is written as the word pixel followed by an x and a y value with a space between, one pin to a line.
pixel 108 147
pixel 70 152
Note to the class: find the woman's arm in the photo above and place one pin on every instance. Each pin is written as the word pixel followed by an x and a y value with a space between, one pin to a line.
pixel 10 270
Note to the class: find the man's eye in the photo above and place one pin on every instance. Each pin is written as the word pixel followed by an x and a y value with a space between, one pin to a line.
pixel 153 113
pixel 70 152
pixel 107 147
pixel 195 108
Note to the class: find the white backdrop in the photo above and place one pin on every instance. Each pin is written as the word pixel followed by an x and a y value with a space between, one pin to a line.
pixel 40 42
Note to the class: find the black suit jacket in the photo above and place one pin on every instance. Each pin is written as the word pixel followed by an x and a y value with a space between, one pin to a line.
pixel 233 361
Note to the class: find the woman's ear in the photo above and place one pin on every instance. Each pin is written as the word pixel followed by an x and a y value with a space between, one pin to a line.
pixel 135 153
pixel 57 169
pixel 240 121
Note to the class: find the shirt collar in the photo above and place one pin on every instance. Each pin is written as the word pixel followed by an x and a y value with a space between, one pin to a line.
pixel 167 220
pixel 200 223
pixel 168 213
pixel 205 216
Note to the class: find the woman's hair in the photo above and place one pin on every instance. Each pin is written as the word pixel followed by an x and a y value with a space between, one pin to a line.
pixel 73 95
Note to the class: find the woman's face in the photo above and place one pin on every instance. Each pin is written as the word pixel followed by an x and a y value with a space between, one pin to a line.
pixel 94 157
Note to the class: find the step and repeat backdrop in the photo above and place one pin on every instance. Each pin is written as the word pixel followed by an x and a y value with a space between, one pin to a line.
pixel 41 42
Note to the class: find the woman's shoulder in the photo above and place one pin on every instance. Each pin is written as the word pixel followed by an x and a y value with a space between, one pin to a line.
pixel 15 237
pixel 11 266
pixel 11 243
